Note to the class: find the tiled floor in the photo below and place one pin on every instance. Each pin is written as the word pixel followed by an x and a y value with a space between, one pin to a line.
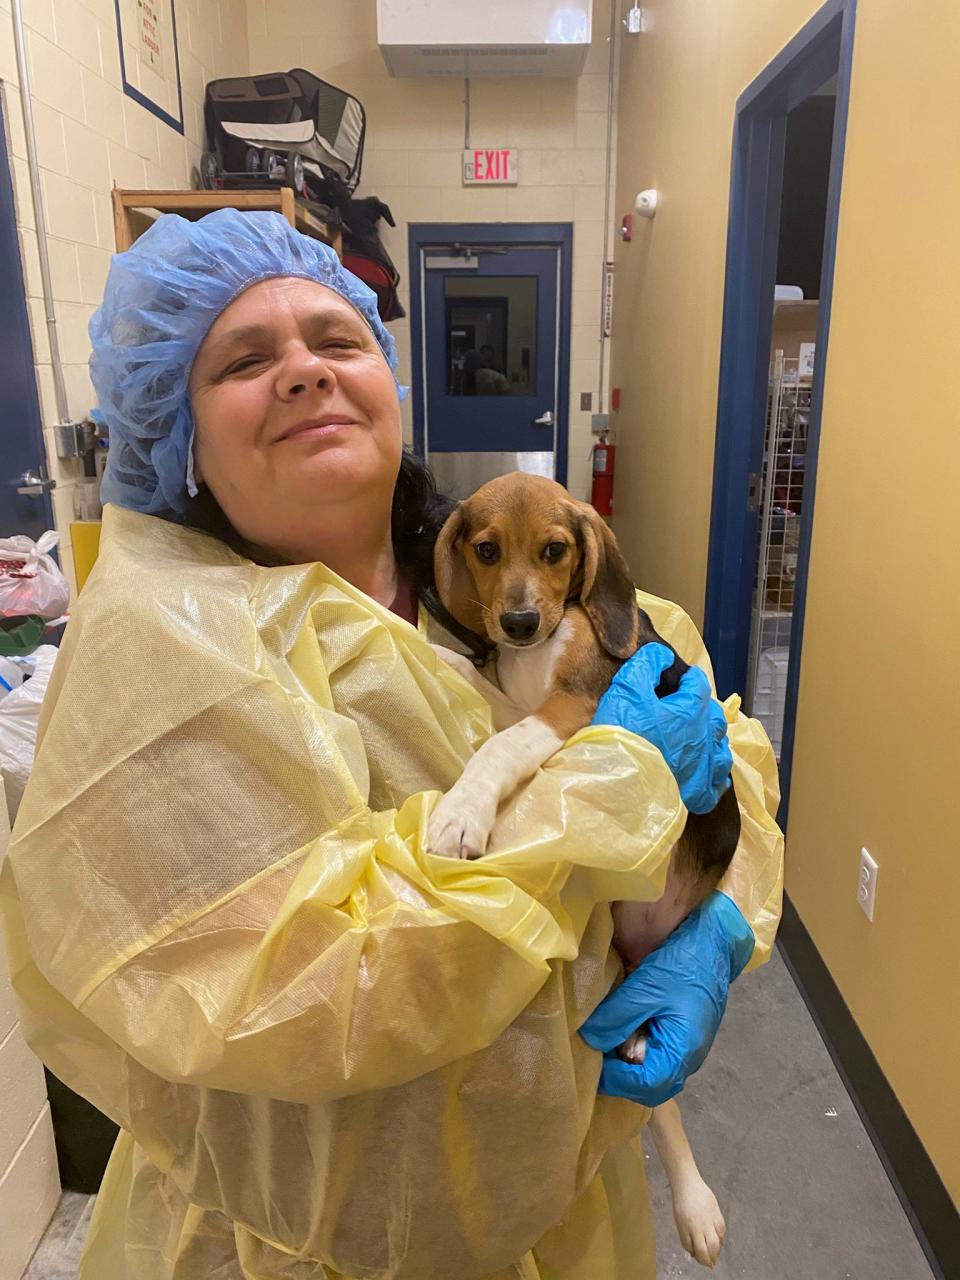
pixel 58 1253
pixel 776 1136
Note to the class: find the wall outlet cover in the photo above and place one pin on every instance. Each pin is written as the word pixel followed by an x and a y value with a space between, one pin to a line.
pixel 867 884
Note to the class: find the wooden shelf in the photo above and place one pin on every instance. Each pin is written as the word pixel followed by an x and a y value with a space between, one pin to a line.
pixel 132 210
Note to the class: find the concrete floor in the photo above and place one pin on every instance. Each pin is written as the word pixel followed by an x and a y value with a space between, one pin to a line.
pixel 776 1136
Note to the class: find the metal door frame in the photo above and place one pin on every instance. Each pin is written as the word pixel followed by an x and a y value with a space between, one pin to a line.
pixel 551 235
pixel 824 45
pixel 17 362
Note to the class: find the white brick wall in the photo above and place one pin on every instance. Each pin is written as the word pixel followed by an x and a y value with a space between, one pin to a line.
pixel 415 133
pixel 91 137
pixel 29 1185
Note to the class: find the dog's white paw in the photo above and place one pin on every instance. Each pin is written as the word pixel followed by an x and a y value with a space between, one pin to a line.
pixel 700 1223
pixel 460 826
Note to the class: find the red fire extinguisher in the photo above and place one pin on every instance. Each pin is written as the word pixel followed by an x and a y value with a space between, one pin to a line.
pixel 604 466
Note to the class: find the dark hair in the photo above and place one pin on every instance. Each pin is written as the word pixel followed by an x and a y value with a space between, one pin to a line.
pixel 419 511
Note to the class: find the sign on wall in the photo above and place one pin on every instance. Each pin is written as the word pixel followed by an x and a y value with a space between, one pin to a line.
pixel 490 167
pixel 151 34
pixel 149 60
pixel 608 268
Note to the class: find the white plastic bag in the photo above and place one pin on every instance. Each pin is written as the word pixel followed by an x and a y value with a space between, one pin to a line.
pixel 30 579
pixel 19 717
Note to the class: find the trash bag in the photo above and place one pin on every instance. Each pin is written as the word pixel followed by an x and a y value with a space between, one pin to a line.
pixel 19 717
pixel 31 581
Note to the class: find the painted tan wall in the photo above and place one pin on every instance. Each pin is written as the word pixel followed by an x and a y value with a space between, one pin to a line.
pixel 415 135
pixel 876 744
pixel 91 137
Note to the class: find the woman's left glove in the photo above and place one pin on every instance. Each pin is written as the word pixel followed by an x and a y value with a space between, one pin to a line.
pixel 688 727
pixel 680 992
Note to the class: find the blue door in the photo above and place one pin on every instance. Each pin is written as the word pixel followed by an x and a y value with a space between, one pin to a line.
pixel 24 486
pixel 492 316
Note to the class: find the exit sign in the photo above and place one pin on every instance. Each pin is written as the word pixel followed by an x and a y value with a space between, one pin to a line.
pixel 490 167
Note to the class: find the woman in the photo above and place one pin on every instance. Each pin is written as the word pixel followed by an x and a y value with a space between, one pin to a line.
pixel 330 1054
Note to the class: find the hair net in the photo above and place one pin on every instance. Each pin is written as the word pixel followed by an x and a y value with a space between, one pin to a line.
pixel 160 300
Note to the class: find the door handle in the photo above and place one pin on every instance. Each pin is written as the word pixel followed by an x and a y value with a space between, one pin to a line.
pixel 34 485
pixel 545 419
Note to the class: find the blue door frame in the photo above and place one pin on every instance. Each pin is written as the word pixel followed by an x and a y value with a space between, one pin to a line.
pixel 21 428
pixel 552 234
pixel 821 48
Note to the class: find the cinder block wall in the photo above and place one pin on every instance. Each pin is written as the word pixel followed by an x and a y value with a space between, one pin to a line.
pixel 29 1184
pixel 412 158
pixel 91 136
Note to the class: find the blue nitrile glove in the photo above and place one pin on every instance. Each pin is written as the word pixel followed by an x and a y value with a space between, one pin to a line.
pixel 680 991
pixel 687 727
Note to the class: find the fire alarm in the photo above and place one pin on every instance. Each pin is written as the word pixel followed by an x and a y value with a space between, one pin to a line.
pixel 626 227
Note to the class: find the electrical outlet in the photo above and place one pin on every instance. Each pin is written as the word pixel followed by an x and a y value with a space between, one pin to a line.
pixel 867 884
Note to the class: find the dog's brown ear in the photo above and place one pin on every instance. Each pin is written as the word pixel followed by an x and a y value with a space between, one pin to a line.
pixel 607 593
pixel 455 585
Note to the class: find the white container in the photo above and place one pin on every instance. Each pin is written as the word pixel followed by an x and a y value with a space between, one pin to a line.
pixel 770 695
pixel 11 677
pixel 496 38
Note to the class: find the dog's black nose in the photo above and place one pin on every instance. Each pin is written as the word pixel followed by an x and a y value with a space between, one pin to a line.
pixel 520 626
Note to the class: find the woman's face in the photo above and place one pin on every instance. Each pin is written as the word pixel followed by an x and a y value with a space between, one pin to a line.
pixel 294 406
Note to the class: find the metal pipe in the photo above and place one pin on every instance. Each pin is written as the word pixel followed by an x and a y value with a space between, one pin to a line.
pixel 611 67
pixel 59 386
pixel 466 113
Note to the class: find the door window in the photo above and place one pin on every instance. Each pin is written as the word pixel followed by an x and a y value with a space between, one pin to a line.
pixel 491 335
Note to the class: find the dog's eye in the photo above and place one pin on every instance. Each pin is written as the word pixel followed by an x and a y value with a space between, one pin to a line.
pixel 488 552
pixel 553 551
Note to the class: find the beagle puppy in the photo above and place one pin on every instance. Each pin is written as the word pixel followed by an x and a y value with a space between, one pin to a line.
pixel 540 575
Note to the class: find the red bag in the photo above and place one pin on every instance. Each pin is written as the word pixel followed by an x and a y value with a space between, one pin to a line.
pixel 382 278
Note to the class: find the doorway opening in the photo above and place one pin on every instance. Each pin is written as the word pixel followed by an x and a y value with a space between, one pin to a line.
pixel 490 328
pixel 780 486
pixel 785 194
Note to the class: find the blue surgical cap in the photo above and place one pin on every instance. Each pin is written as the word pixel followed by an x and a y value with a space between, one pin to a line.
pixel 160 300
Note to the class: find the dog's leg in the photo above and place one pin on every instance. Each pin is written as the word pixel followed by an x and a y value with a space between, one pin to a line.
pixel 461 823
pixel 639 928
pixel 700 1223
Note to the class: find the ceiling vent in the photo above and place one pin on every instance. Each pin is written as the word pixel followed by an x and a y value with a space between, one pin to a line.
pixel 496 38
